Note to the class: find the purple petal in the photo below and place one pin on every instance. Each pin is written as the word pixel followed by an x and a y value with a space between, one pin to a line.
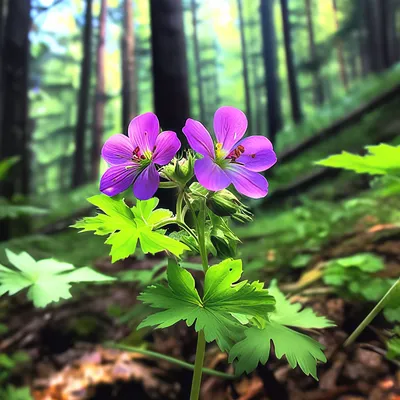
pixel 118 178
pixel 146 183
pixel 198 137
pixel 210 175
pixel 143 131
pixel 230 124
pixel 167 144
pixel 258 153
pixel 249 183
pixel 117 149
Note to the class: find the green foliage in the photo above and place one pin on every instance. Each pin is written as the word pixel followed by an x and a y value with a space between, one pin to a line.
pixel 9 363
pixel 393 345
pixel 6 164
pixel 382 159
pixel 13 393
pixel 10 210
pixel 298 348
pixel 48 280
pixel 127 226
pixel 354 275
pixel 213 312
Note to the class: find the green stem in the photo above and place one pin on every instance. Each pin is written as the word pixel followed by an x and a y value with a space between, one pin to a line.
pixel 375 311
pixel 171 221
pixel 167 185
pixel 171 360
pixel 179 203
pixel 201 341
pixel 198 366
pixel 201 234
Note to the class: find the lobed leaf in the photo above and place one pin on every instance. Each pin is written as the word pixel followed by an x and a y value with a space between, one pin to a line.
pixel 127 227
pixel 48 280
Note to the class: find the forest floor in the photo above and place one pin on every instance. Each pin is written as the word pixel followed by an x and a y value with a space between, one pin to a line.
pixel 68 359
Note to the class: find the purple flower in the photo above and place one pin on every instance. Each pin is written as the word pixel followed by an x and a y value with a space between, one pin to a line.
pixel 133 159
pixel 230 160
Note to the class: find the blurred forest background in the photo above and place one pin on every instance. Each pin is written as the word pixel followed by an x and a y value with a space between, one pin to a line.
pixel 315 76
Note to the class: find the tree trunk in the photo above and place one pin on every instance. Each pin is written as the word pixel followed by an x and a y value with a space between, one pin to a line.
pixel 374 53
pixel 170 75
pixel 394 43
pixel 2 20
pixel 291 71
pixel 14 129
pixel 99 101
pixel 363 40
pixel 244 53
pixel 383 12
pixel 129 86
pixel 197 60
pixel 271 68
pixel 79 171
pixel 340 52
pixel 318 84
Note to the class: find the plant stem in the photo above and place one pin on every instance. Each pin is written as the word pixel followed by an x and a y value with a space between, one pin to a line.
pixel 179 203
pixel 167 185
pixel 172 360
pixel 375 311
pixel 201 341
pixel 198 366
pixel 201 235
pixel 171 221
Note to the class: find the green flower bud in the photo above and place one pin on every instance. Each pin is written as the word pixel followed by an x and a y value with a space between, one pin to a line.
pixel 224 204
pixel 180 171
pixel 224 248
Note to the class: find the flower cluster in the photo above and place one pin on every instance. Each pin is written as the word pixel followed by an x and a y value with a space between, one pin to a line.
pixel 135 159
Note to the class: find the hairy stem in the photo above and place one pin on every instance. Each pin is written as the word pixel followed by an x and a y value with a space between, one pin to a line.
pixel 375 311
pixel 171 360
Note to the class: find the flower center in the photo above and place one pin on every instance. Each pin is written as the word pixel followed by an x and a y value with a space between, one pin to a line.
pixel 144 159
pixel 219 153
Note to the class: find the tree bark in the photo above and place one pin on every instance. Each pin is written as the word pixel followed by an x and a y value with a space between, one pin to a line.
pixel 194 5
pixel 99 101
pixel 383 12
pixel 340 51
pixel 244 53
pixel 271 68
pixel 79 175
pixel 394 42
pixel 14 127
pixel 319 97
pixel 291 71
pixel 170 75
pixel 129 86
pixel 374 53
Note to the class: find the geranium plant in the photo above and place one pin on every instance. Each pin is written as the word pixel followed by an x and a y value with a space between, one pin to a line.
pixel 242 317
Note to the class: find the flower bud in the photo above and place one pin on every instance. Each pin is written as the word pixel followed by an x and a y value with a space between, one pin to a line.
pixel 224 204
pixel 224 248
pixel 180 171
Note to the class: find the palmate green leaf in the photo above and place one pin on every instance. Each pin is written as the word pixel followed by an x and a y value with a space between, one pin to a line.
pixel 129 226
pixel 290 314
pixel 298 348
pixel 382 159
pixel 213 313
pixel 48 280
